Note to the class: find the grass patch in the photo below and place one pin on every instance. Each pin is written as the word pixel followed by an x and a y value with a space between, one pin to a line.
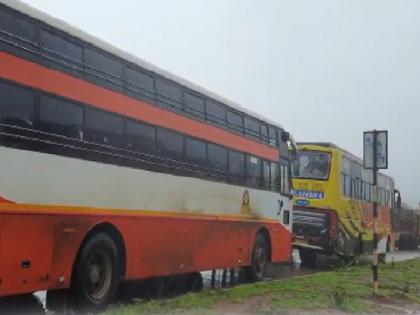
pixel 347 289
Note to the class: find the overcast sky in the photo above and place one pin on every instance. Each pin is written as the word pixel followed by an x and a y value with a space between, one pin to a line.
pixel 326 70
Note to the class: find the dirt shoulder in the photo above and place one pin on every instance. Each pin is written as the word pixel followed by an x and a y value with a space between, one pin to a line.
pixel 342 291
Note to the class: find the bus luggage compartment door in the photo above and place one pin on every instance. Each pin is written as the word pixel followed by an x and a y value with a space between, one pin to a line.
pixel 26 246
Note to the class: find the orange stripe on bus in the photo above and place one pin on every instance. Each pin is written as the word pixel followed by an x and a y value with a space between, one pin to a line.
pixel 6 208
pixel 56 82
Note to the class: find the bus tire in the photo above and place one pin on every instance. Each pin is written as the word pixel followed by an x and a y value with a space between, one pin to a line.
pixel 259 260
pixel 96 273
pixel 307 257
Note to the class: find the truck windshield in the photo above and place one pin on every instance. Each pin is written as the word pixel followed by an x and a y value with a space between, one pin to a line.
pixel 312 165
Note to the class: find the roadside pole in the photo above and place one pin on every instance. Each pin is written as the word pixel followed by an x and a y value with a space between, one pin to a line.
pixel 375 214
pixel 375 156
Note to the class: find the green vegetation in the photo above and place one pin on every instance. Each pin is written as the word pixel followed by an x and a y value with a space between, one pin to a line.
pixel 347 289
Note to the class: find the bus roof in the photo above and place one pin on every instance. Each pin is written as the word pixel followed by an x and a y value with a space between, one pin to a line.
pixel 99 43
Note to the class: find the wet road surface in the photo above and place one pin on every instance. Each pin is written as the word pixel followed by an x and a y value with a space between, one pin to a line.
pixel 35 304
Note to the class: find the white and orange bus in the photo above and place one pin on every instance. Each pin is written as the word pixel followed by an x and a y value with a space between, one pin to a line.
pixel 114 170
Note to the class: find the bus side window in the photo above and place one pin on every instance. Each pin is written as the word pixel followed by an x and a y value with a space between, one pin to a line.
pixel 104 128
pixel 362 191
pixel 236 167
pixel 140 84
pixel 215 113
pixel 141 137
pixel 104 69
pixel 217 157
pixel 235 121
pixel 169 95
pixel 253 171
pixel 285 180
pixel 264 133
pixel 61 53
pixel 103 63
pixel 266 175
pixel 16 105
pixel 383 196
pixel 348 185
pixel 252 128
pixel 357 188
pixel 20 26
pixel 194 105
pixel 195 151
pixel 272 134
pixel 353 188
pixel 389 199
pixel 23 34
pixel 170 144
pixel 57 116
pixel 275 182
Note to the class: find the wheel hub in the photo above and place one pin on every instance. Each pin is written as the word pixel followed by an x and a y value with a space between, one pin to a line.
pixel 99 274
pixel 261 260
pixel 94 274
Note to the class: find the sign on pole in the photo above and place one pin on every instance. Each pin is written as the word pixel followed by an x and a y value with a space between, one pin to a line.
pixel 375 156
pixel 381 149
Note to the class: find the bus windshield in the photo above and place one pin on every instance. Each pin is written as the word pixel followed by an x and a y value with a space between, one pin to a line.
pixel 312 165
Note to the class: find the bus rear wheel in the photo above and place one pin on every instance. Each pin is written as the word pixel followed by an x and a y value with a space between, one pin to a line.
pixel 259 260
pixel 96 273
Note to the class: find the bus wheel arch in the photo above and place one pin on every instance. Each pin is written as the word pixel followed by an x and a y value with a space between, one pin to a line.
pixel 102 248
pixel 115 234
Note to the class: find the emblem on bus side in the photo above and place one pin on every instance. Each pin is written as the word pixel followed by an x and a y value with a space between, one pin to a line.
pixel 245 207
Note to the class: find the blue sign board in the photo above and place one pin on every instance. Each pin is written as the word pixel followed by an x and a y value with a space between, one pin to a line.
pixel 308 194
pixel 302 202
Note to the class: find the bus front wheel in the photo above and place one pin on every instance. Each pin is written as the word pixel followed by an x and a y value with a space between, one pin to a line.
pixel 259 260
pixel 96 273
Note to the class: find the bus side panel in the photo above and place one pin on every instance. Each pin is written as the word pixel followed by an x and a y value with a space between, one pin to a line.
pixel 42 248
pixel 69 233
pixel 156 246
pixel 281 243
pixel 39 251
pixel 165 246
pixel 159 245
pixel 26 247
